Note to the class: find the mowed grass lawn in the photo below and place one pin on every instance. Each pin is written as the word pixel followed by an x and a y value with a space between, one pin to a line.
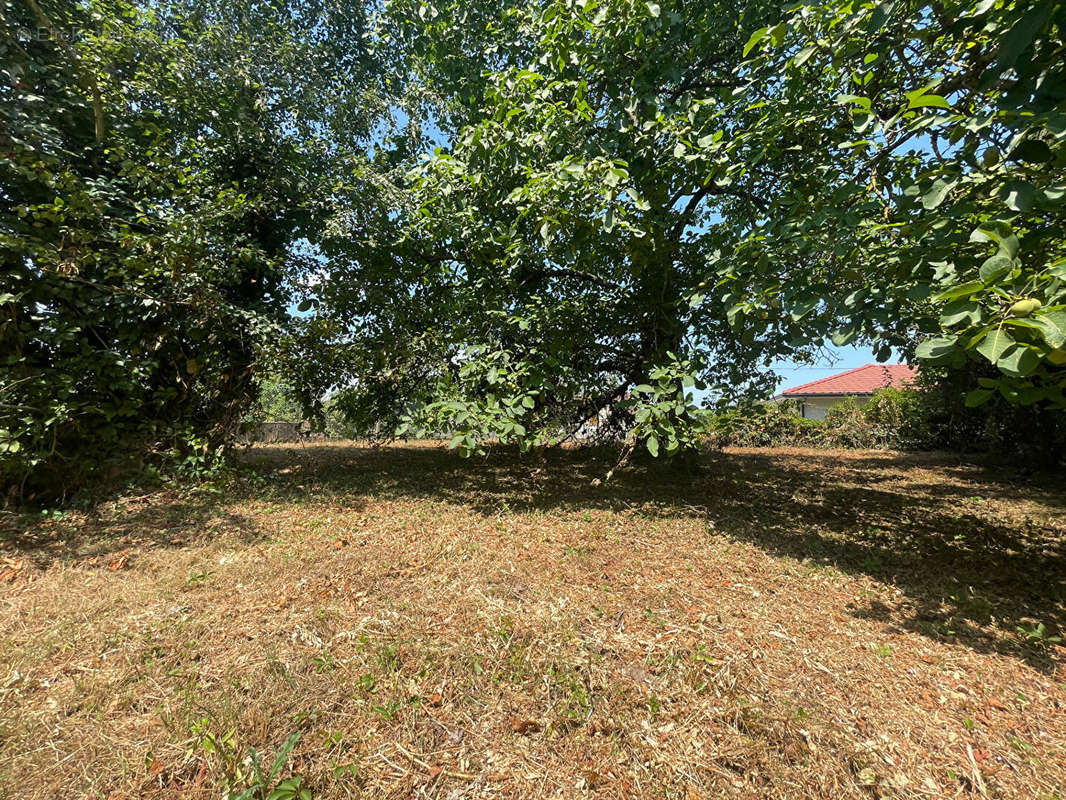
pixel 780 623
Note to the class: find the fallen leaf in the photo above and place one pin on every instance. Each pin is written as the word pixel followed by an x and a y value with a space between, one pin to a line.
pixel 524 726
pixel 12 568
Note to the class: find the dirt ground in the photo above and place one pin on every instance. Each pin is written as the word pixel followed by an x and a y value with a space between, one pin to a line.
pixel 401 623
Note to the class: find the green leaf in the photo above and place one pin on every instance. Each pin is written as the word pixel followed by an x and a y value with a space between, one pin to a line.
pixel 638 201
pixel 995 268
pixel 1022 34
pixel 1052 326
pixel 803 307
pixel 1019 195
pixel 653 9
pixel 1007 241
pixel 803 55
pixel 936 194
pixel 919 99
pixel 754 40
pixel 977 397
pixel 995 344
pixel 961 290
pixel 936 348
pixel 854 299
pixel 844 336
pixel 288 789
pixel 1019 361
pixel 283 755
pixel 863 102
pixel 960 311
pixel 1032 151
pixel 653 446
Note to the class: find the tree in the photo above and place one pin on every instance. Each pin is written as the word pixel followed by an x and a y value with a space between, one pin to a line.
pixel 505 221
pixel 552 260
pixel 277 402
pixel 162 166
pixel 640 198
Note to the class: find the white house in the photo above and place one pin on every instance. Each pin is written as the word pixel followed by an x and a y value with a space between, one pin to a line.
pixel 817 397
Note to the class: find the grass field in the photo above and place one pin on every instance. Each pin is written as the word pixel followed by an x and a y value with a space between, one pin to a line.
pixel 779 623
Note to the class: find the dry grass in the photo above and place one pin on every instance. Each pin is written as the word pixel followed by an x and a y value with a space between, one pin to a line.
pixel 781 624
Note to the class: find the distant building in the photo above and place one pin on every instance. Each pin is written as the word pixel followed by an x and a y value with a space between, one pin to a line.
pixel 817 397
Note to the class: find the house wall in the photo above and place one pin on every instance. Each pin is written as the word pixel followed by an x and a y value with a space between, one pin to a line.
pixel 815 407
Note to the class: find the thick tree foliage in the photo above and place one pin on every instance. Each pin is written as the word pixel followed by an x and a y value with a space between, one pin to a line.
pixel 931 182
pixel 549 259
pixel 161 165
pixel 636 198
pixel 506 220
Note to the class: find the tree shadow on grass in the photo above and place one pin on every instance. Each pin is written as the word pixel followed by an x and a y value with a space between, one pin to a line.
pixel 159 520
pixel 975 553
pixel 931 526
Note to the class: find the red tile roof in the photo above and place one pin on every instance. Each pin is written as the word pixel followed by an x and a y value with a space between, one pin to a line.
pixel 861 380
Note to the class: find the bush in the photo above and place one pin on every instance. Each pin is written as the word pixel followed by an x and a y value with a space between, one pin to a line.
pixel 890 419
pixel 847 426
pixel 932 415
pixel 770 425
pixel 1029 435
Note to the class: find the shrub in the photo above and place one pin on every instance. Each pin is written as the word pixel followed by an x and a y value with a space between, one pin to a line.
pixel 847 426
pixel 770 425
pixel 933 415
pixel 891 419
pixel 1028 434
